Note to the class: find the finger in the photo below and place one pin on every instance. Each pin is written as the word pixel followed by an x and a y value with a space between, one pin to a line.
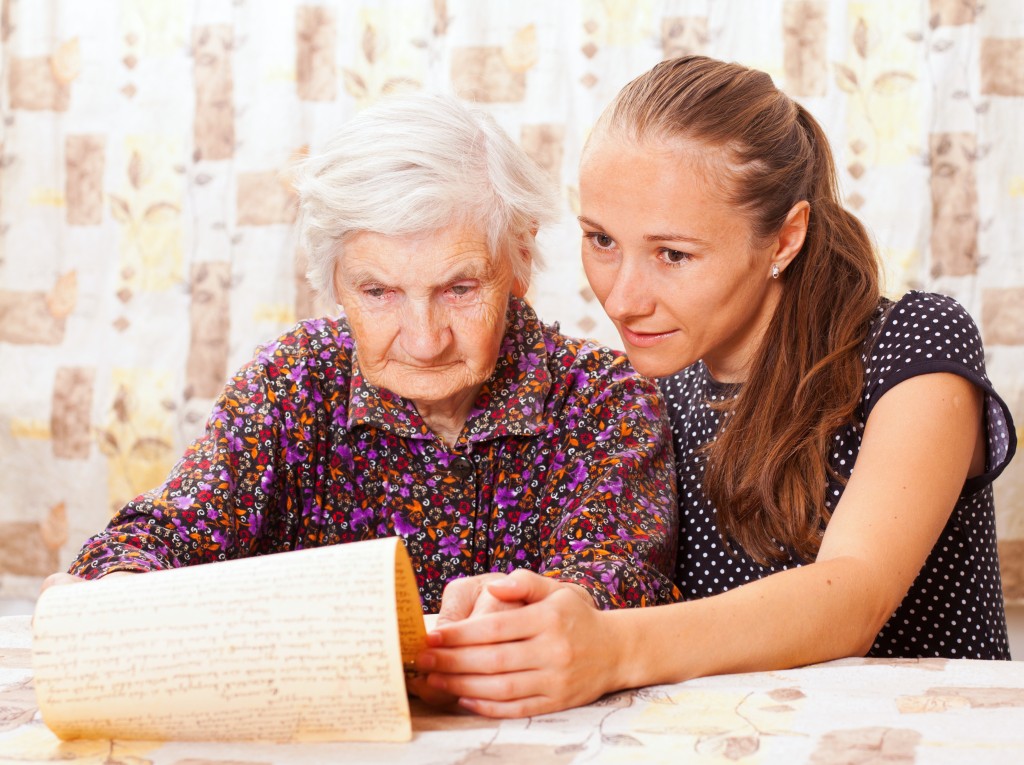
pixel 417 686
pixel 486 603
pixel 530 587
pixel 503 627
pixel 55 580
pixel 457 601
pixel 509 590
pixel 480 660
pixel 459 597
pixel 534 705
pixel 509 686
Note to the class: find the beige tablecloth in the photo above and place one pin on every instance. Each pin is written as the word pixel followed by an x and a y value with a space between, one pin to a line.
pixel 852 711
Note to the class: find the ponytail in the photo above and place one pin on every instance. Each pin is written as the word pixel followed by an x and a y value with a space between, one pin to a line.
pixel 768 471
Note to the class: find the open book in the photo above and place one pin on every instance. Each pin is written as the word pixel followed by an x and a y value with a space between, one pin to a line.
pixel 300 646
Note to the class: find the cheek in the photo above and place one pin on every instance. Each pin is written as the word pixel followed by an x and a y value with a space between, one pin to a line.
pixel 480 330
pixel 601 277
pixel 371 334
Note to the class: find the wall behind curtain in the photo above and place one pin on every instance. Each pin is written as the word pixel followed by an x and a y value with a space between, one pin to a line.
pixel 147 227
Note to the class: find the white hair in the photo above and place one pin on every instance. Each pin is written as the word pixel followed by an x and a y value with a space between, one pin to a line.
pixel 409 165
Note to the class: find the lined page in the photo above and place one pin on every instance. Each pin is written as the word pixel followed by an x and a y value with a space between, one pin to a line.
pixel 298 646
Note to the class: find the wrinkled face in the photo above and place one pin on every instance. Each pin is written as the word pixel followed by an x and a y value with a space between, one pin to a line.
pixel 427 312
pixel 672 262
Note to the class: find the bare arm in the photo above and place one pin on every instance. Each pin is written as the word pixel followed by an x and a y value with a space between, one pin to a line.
pixel 922 440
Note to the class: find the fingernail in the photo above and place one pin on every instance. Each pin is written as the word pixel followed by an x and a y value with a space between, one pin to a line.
pixel 425 662
pixel 435 639
pixel 437 681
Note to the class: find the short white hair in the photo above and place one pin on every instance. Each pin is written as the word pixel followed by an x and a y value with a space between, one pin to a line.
pixel 409 165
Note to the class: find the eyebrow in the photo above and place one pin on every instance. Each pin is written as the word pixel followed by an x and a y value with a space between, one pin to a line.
pixel 667 237
pixel 470 270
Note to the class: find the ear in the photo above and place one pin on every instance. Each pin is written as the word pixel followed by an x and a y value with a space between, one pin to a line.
pixel 521 286
pixel 792 234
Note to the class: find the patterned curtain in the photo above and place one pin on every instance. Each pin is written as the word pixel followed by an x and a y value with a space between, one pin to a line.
pixel 147 226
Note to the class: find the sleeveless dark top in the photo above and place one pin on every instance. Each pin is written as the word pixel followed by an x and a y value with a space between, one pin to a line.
pixel 954 608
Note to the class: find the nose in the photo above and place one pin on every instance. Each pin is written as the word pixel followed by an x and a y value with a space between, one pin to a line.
pixel 426 334
pixel 630 295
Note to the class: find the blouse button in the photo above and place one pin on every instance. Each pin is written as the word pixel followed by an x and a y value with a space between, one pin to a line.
pixel 461 468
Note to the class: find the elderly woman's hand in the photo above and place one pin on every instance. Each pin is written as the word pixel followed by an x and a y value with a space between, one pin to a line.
pixel 55 580
pixel 472 596
pixel 59 579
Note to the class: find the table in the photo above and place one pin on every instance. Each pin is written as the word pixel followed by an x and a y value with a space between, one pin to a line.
pixel 855 711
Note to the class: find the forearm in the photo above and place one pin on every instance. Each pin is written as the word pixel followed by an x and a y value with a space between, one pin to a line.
pixel 815 613
pixel 100 557
pixel 214 504
pixel 135 540
pixel 614 526
pixel 620 549
pixel 619 539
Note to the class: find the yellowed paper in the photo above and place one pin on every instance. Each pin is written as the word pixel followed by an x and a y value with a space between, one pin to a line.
pixel 300 646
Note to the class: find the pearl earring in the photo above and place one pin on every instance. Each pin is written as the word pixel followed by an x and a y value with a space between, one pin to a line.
pixel 775 270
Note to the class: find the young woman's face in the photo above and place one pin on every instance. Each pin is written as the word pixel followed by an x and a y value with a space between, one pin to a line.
pixel 674 265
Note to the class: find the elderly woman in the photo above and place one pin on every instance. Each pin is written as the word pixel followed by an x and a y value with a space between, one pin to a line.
pixel 439 408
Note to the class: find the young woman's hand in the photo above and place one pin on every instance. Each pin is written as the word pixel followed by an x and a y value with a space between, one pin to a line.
pixel 552 652
pixel 465 598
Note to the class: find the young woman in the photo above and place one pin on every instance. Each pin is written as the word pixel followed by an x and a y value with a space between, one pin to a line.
pixel 714 237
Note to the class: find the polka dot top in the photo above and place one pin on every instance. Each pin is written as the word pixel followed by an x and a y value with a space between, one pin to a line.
pixel 955 606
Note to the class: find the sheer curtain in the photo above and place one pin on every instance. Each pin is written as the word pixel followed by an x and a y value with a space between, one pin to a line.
pixel 147 224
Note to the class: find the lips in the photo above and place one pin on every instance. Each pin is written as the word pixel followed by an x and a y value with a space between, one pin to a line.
pixel 428 367
pixel 644 339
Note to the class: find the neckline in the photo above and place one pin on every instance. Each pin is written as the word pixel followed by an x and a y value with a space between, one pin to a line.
pixel 718 389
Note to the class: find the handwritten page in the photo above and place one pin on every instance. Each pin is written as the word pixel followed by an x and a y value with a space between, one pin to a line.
pixel 300 646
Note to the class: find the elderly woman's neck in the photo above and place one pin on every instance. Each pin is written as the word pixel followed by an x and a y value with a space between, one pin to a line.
pixel 447 418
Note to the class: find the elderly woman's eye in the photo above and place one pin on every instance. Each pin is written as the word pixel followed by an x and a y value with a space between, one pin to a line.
pixel 461 289
pixel 374 292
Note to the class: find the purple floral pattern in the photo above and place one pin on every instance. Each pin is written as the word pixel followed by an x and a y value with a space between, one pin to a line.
pixel 564 466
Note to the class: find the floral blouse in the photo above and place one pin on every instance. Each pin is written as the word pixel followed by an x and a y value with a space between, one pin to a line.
pixel 564 466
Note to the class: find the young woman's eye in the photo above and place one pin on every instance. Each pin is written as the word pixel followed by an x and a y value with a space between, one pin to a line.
pixel 601 241
pixel 674 257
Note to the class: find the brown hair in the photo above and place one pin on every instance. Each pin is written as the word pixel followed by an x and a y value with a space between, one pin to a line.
pixel 768 470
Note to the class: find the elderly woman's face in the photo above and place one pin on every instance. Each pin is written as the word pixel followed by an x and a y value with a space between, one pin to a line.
pixel 427 312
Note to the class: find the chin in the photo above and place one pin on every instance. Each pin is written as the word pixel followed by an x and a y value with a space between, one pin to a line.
pixel 654 364
pixel 430 396
pixel 429 392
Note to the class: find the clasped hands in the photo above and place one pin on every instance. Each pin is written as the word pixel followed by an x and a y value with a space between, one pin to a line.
pixel 512 646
